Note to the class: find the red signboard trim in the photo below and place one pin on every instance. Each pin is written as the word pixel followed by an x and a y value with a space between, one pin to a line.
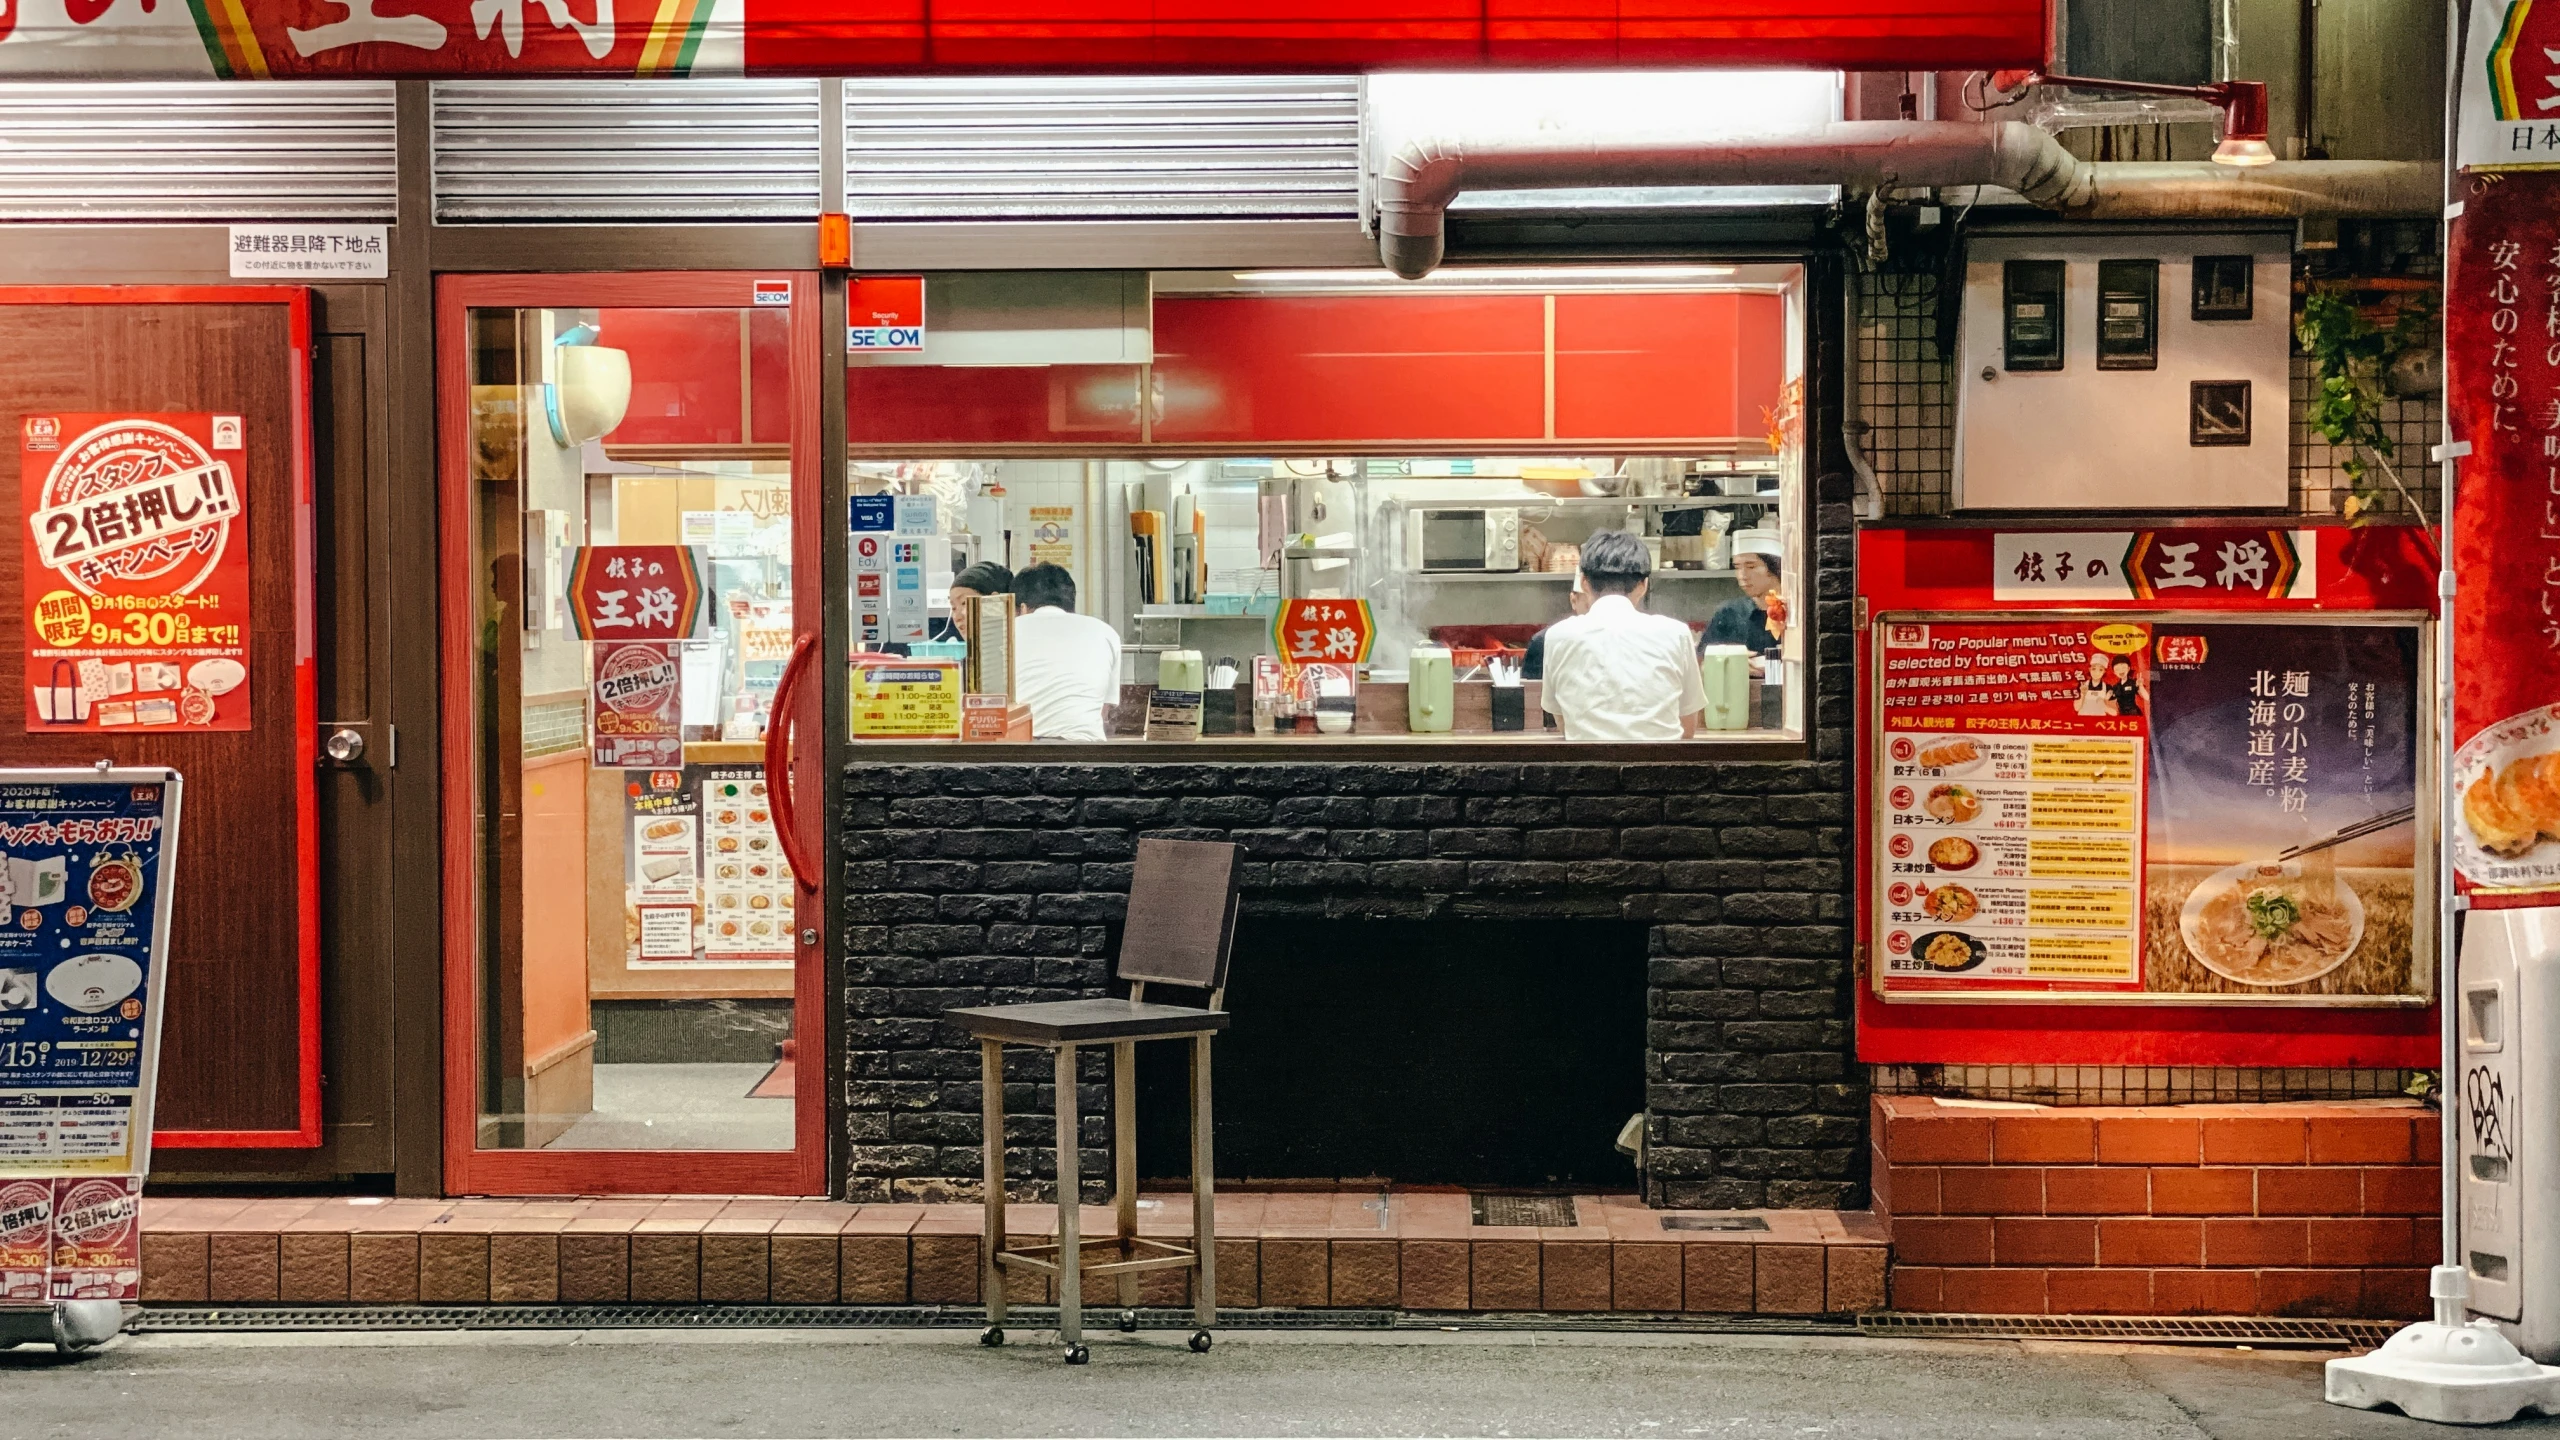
pixel 306 682
pixel 1949 569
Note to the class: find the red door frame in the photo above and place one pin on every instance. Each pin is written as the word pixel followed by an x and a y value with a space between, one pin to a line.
pixel 296 301
pixel 468 1169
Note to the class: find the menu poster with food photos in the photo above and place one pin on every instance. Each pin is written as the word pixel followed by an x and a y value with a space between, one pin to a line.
pixel 136 544
pixel 2170 807
pixel 2010 790
pixel 2502 399
pixel 747 885
pixel 706 885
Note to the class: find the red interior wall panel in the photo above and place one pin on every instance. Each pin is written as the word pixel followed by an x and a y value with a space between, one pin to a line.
pixel 1666 366
pixel 769 372
pixel 685 376
pixel 1351 368
pixel 1761 338
pixel 991 405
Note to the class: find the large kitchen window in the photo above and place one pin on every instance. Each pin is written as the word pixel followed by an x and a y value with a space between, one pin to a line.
pixel 1301 508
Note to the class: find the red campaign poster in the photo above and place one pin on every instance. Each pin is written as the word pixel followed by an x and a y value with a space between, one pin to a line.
pixel 137 571
pixel 26 1240
pixel 637 707
pixel 97 1238
pixel 2502 388
pixel 2010 805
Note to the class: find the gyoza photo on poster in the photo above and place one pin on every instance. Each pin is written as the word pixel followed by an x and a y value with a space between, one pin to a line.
pixel 137 571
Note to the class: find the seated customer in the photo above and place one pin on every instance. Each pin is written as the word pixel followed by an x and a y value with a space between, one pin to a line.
pixel 1615 672
pixel 1066 666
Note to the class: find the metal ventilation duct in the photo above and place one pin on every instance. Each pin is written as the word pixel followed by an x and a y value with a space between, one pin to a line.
pixel 1106 147
pixel 1416 183
pixel 166 151
pixel 650 150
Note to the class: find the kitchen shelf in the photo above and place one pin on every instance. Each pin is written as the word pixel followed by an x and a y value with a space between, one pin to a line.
pixel 1471 577
pixel 1583 502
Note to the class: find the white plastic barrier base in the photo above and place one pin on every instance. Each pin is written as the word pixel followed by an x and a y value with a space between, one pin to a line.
pixel 2446 1371
pixel 68 1324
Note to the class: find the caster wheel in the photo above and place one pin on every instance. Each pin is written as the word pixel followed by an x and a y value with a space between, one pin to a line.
pixel 1128 1322
pixel 1199 1342
pixel 992 1336
pixel 1077 1355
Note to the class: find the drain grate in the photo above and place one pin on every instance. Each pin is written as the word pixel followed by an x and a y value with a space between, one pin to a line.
pixel 1714 1222
pixel 1523 1209
pixel 2266 1331
pixel 168 1318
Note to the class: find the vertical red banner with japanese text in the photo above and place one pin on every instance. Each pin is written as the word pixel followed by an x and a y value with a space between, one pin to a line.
pixel 2502 391
pixel 137 571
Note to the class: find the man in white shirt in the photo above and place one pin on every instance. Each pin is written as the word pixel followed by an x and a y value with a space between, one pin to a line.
pixel 1615 672
pixel 1066 666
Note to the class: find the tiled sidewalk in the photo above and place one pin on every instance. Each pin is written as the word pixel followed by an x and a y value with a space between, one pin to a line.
pixel 1408 1250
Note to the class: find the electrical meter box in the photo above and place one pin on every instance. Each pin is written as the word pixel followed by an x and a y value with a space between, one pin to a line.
pixel 2031 315
pixel 2507 1100
pixel 2076 388
pixel 2128 314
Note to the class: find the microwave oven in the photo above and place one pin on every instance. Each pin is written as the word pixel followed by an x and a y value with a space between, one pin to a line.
pixel 1476 538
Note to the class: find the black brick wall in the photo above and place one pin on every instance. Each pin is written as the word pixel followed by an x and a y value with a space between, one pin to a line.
pixel 973 884
pixel 991 884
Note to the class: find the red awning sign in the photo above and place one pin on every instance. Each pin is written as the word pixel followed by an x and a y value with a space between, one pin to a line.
pixel 423 39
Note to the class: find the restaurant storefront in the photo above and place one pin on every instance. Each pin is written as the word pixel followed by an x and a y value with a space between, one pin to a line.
pixel 698 767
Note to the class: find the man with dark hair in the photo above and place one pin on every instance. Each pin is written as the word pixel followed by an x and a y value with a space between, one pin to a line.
pixel 1614 672
pixel 984 578
pixel 1066 666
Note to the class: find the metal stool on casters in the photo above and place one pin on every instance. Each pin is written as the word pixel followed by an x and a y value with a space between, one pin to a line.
pixel 1182 917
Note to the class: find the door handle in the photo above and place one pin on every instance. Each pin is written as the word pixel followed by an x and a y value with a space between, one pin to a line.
pixel 344 746
pixel 777 762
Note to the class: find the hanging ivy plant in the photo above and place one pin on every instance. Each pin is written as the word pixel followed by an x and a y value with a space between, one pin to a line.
pixel 2349 353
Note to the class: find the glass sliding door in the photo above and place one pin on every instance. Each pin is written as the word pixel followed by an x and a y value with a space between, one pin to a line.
pixel 630 909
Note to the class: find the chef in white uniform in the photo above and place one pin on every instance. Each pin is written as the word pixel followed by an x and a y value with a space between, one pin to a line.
pixel 1066 666
pixel 1615 672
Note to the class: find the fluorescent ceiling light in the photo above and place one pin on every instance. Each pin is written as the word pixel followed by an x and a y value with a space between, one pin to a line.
pixel 1497 275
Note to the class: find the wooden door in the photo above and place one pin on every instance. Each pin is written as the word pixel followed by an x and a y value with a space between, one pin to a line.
pixel 240 1062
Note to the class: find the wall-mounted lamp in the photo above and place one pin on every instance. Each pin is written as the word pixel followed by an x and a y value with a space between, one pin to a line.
pixel 2243 104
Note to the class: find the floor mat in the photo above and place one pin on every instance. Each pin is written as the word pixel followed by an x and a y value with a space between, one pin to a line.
pixel 776 1084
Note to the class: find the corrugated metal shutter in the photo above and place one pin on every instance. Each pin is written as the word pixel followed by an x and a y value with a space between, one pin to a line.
pixel 1069 148
pixel 312 150
pixel 626 149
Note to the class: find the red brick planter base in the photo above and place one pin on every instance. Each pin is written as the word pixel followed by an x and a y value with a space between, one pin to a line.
pixel 2325 1209
pixel 1298 1249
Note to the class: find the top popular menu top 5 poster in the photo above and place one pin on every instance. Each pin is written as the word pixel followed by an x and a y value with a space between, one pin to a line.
pixel 137 571
pixel 2146 809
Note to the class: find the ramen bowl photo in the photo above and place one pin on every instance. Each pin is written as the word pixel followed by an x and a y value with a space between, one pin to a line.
pixel 2272 923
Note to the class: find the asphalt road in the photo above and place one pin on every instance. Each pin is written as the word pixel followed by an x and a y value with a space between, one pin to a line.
pixel 640 1383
